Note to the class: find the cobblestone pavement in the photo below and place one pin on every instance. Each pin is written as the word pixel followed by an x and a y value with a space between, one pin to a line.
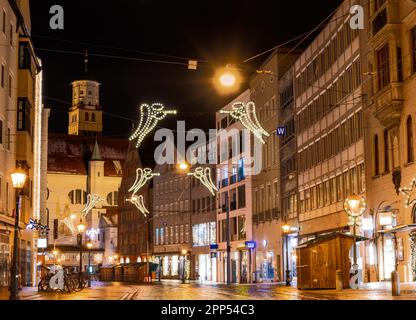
pixel 173 290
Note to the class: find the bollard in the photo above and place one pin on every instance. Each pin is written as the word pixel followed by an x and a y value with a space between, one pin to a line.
pixel 339 280
pixel 395 284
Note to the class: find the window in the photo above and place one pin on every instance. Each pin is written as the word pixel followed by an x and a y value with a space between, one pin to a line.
pixel 11 34
pixel 23 115
pixel 386 151
pixel 376 156
pixel 112 198
pixel 409 131
pixel 10 86
pixel 24 55
pixel 8 139
pixel 2 75
pixel 242 197
pixel 87 117
pixel 93 117
pixel 413 47
pixel 383 65
pixel 77 197
pixel 4 22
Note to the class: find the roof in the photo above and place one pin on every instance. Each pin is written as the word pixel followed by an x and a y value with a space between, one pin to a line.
pixel 71 154
pixel 398 229
pixel 328 236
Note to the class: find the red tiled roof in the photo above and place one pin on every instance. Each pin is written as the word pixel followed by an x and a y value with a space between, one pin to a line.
pixel 71 154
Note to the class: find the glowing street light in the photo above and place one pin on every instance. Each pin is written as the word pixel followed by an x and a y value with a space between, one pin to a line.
pixel 18 180
pixel 183 166
pixel 227 80
pixel 286 230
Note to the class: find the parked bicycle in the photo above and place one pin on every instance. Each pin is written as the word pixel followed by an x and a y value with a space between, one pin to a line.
pixel 62 280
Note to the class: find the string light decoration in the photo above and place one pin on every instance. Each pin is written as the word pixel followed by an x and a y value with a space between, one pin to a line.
pixel 138 201
pixel 408 192
pixel 92 201
pixel 36 225
pixel 142 177
pixel 204 175
pixel 246 114
pixel 149 118
pixel 70 224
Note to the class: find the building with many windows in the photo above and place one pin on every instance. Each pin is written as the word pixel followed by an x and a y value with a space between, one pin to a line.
pixel 234 184
pixel 391 119
pixel 330 101
pixel 23 129
pixel 184 224
pixel 268 217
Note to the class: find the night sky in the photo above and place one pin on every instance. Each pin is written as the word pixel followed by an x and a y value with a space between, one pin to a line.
pixel 214 31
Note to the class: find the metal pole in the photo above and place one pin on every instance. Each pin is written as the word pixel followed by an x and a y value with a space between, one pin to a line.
pixel 89 268
pixel 288 280
pixel 147 247
pixel 14 285
pixel 355 241
pixel 228 240
pixel 80 259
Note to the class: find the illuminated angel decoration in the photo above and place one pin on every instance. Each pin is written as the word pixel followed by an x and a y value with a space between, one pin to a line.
pixel 92 201
pixel 408 192
pixel 149 117
pixel 142 177
pixel 204 175
pixel 246 114
pixel 138 201
pixel 70 224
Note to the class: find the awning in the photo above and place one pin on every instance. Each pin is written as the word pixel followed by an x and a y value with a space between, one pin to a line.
pixel 398 229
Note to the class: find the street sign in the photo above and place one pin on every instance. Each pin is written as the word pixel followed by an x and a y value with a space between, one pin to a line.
pixel 250 244
pixel 281 131
pixel 214 246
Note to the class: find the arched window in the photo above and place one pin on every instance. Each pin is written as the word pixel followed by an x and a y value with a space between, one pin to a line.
pixel 386 151
pixel 112 198
pixel 376 156
pixel 409 134
pixel 87 117
pixel 77 197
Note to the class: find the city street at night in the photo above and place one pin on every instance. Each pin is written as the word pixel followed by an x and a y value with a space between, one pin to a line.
pixel 174 290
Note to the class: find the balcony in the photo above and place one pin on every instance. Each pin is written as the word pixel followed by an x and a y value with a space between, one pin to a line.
pixel 224 183
pixel 389 104
pixel 233 179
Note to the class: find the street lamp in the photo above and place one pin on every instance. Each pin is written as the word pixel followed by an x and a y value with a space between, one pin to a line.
pixel 184 252
pixel 355 207
pixel 227 79
pixel 286 231
pixel 18 180
pixel 89 246
pixel 81 229
pixel 55 254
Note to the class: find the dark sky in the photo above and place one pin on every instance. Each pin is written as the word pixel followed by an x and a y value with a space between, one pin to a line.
pixel 216 31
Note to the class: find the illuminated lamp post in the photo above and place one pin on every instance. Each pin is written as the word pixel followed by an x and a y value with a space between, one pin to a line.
pixel 18 180
pixel 286 231
pixel 81 229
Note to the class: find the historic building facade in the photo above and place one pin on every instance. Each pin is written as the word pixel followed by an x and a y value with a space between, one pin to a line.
pixel 391 145
pixel 82 163
pixel 21 134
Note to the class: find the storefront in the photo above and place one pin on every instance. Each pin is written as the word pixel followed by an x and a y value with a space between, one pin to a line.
pixel 206 267
pixel 5 258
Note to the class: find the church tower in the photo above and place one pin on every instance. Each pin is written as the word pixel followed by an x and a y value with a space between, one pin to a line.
pixel 85 115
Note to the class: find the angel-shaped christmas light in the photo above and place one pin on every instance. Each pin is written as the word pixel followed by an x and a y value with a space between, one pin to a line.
pixel 92 200
pixel 142 177
pixel 408 192
pixel 149 117
pixel 69 222
pixel 204 175
pixel 246 114
pixel 138 201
